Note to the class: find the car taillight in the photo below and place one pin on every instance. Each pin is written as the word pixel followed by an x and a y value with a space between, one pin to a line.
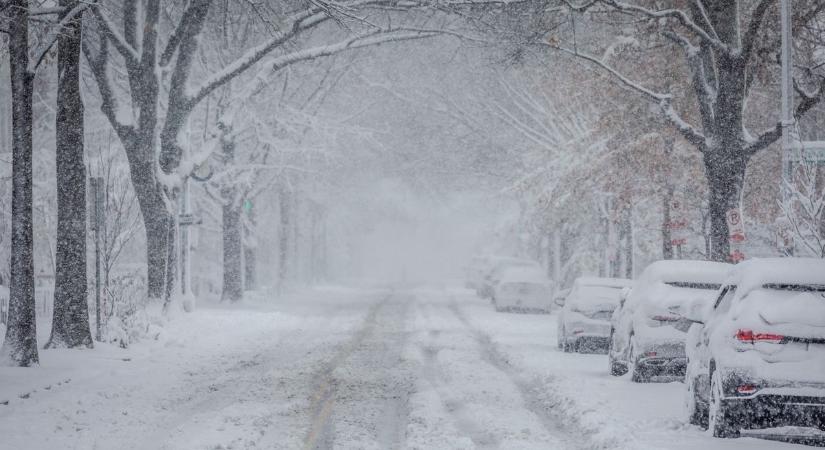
pixel 746 389
pixel 748 336
pixel 665 318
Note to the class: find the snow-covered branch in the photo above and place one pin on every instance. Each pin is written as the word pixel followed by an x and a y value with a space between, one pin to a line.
pixel 670 13
pixel 663 100
pixel 54 33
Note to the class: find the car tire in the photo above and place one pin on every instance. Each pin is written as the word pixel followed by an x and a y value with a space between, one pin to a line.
pixel 567 346
pixel 721 418
pixel 638 374
pixel 696 412
pixel 617 369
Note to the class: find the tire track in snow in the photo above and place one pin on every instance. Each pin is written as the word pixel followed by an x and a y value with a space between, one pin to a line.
pixel 343 398
pixel 531 390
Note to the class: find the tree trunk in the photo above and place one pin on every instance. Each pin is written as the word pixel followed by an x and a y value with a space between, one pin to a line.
pixel 725 171
pixel 20 345
pixel 232 253
pixel 249 266
pixel 667 239
pixel 70 322
pixel 283 239
pixel 626 239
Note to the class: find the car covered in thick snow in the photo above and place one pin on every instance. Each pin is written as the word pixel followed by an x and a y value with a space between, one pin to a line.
pixel 475 271
pixel 523 289
pixel 757 352
pixel 648 332
pixel 584 320
pixel 495 270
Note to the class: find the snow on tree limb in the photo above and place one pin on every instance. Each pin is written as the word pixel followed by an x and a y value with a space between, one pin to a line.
pixel 54 33
pixel 129 53
pixel 670 13
pixel 663 100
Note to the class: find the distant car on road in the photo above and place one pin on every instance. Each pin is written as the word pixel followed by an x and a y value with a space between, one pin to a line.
pixel 495 271
pixel 647 334
pixel 475 271
pixel 584 320
pixel 523 289
pixel 757 352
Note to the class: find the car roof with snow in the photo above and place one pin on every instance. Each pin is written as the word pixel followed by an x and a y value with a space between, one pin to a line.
pixel 671 285
pixel 524 274
pixel 675 271
pixel 758 272
pixel 604 282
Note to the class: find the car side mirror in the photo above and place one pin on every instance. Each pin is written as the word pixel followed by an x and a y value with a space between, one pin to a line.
pixel 694 312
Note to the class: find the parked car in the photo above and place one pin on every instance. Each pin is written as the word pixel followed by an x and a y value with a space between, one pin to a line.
pixel 584 320
pixel 498 265
pixel 523 289
pixel 757 352
pixel 647 334
pixel 475 271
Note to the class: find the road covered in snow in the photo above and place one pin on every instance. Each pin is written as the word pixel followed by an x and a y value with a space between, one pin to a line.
pixel 344 368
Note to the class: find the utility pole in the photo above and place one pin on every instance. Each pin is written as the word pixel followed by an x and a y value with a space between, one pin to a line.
pixel 787 91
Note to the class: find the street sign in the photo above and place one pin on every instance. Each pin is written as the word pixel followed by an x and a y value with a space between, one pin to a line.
pixel 807 151
pixel 189 219
pixel 736 226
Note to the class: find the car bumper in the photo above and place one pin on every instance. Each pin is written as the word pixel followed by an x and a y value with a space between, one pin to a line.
pixel 591 335
pixel 778 410
pixel 776 403
pixel 663 358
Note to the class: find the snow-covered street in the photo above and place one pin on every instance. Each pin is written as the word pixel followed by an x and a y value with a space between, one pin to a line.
pixel 344 368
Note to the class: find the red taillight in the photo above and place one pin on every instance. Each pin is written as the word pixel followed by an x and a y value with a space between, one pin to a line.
pixel 665 318
pixel 746 389
pixel 750 337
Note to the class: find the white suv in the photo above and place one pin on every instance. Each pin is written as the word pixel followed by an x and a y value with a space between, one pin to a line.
pixel 757 353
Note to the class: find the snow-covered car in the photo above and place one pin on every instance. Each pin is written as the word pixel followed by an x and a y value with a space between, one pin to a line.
pixel 523 289
pixel 584 320
pixel 495 271
pixel 475 271
pixel 648 333
pixel 757 352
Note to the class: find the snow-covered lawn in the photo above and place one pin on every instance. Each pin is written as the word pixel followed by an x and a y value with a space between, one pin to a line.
pixel 344 368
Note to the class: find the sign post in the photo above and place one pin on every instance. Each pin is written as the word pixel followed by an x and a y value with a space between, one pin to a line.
pixel 736 234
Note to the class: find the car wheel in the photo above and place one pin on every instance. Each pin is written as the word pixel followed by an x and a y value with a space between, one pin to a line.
pixel 721 418
pixel 638 374
pixel 617 369
pixel 697 413
pixel 567 346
